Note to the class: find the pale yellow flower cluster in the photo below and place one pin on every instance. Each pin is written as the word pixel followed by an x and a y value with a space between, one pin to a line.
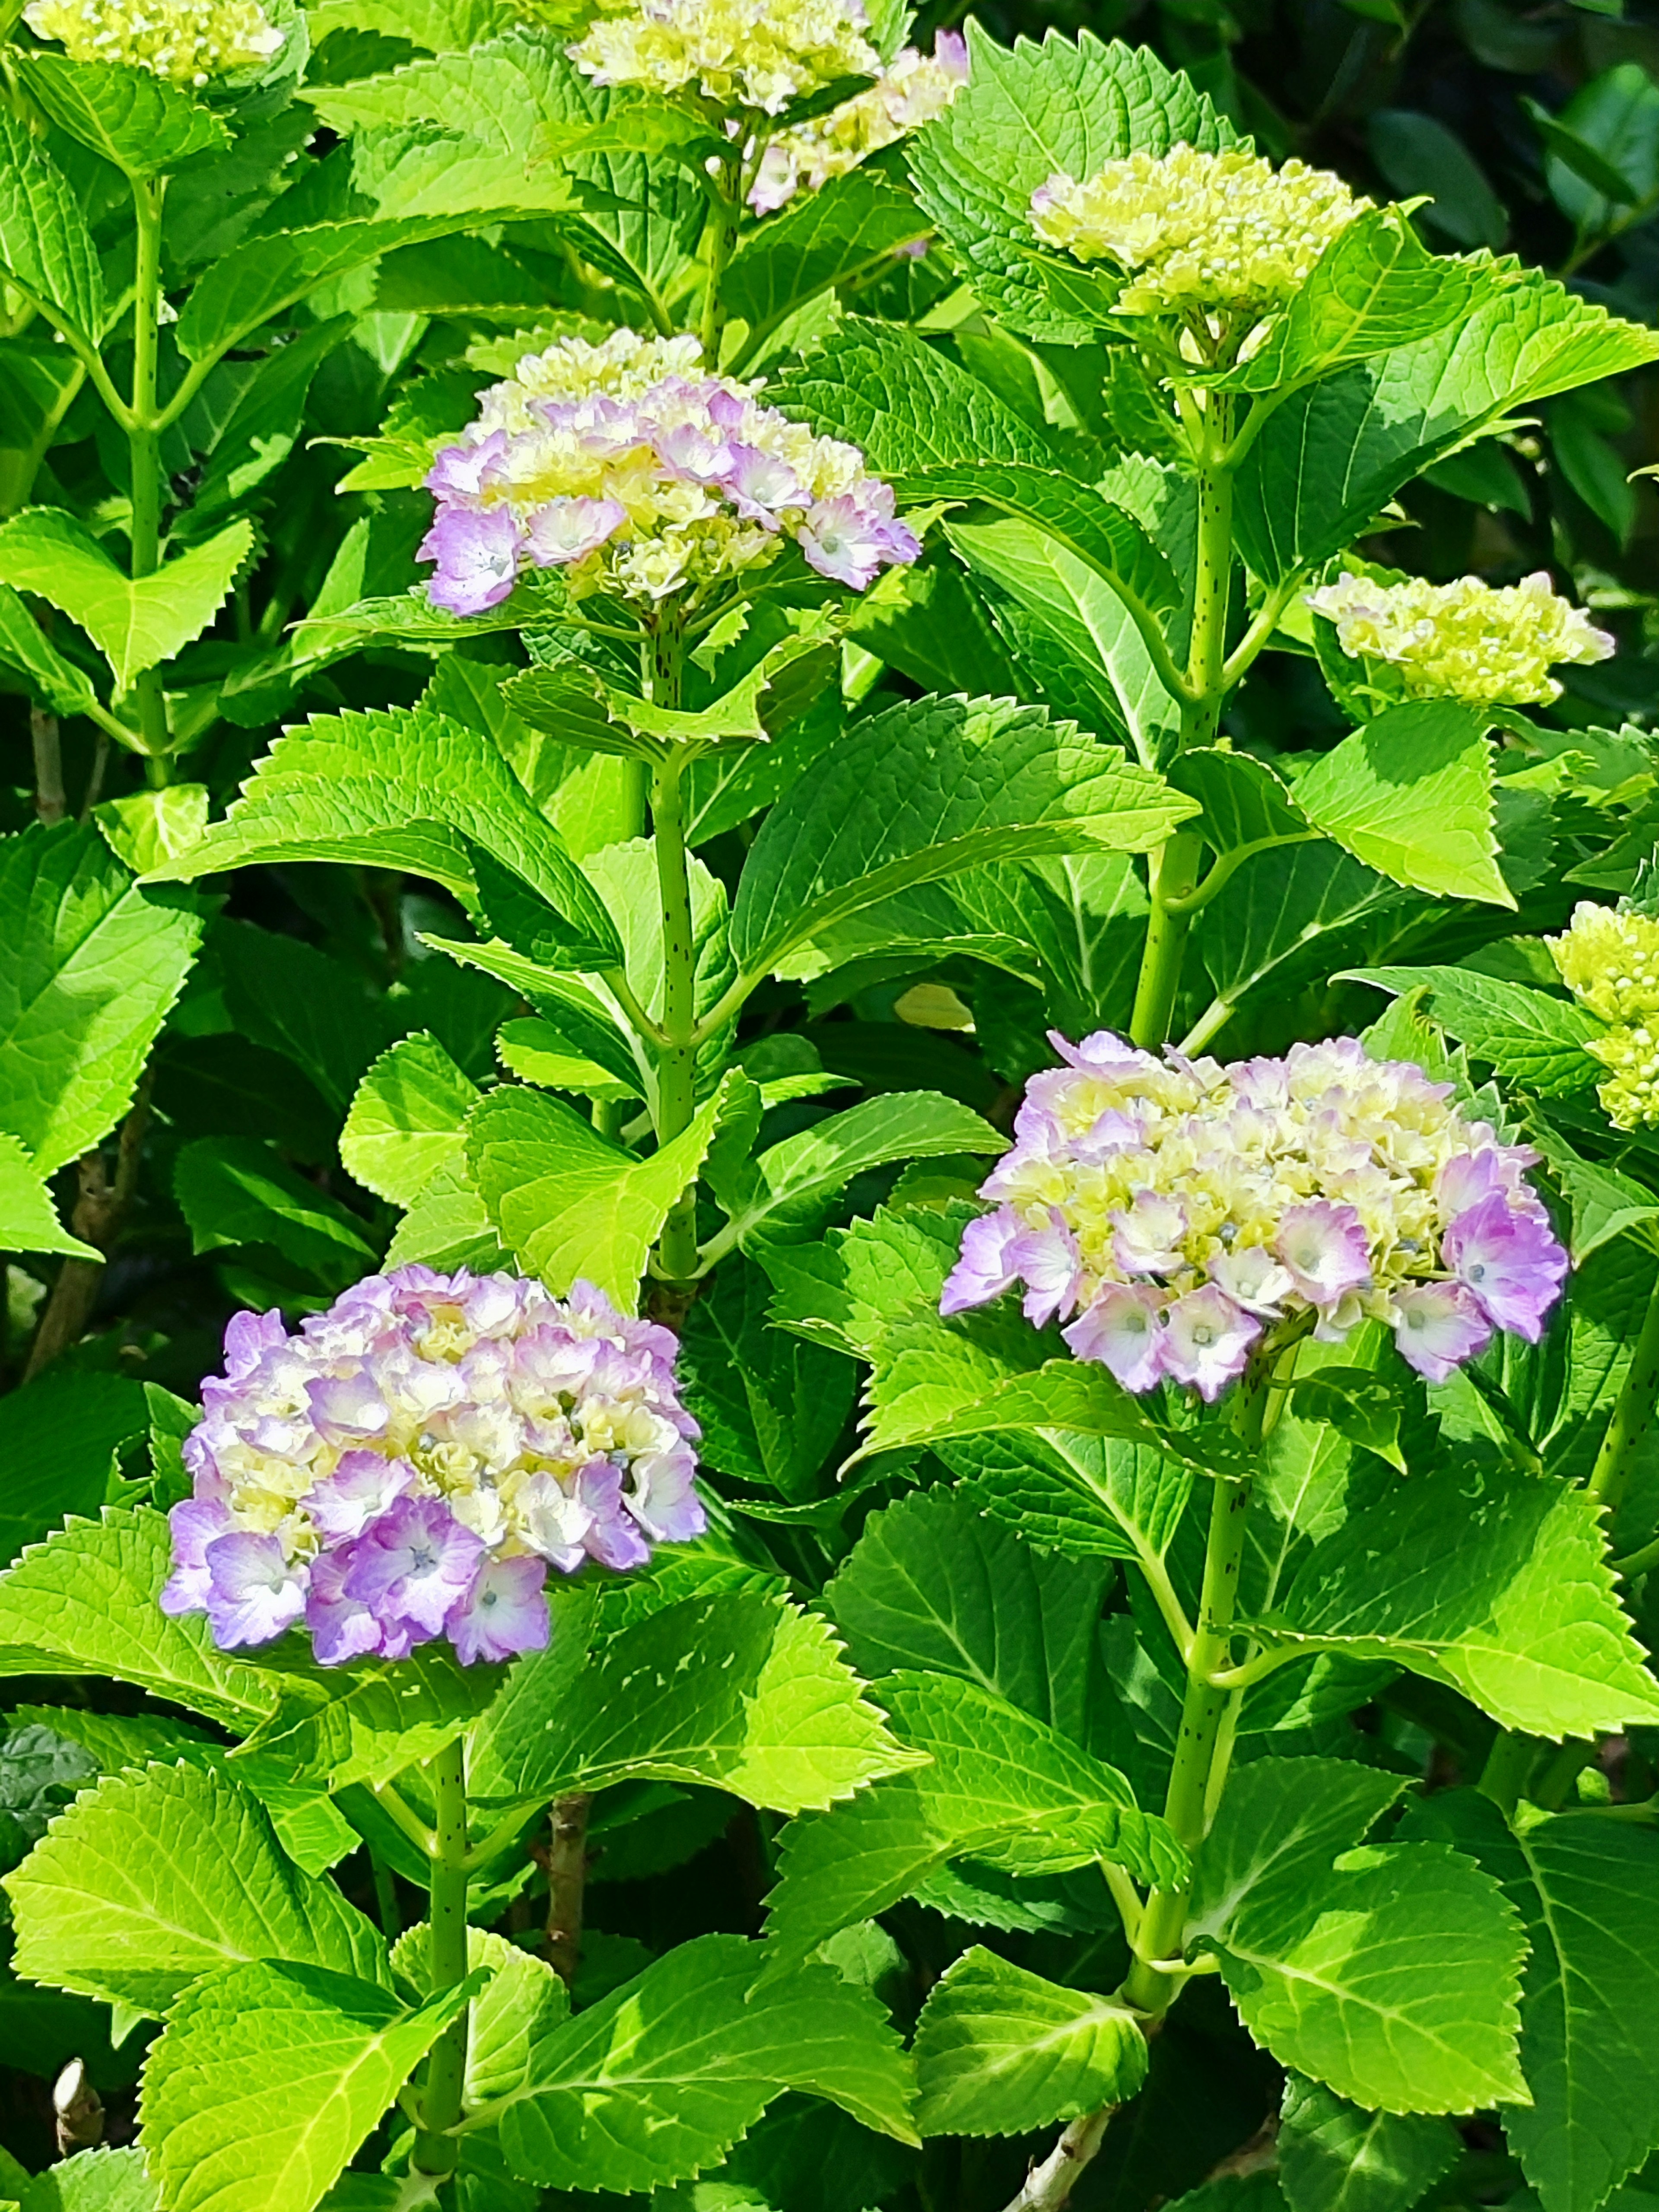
pixel 1211 234
pixel 1609 960
pixel 1464 640
pixel 754 54
pixel 916 88
pixel 188 42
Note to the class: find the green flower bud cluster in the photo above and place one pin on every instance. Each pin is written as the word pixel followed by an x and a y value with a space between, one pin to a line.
pixel 757 54
pixel 1463 641
pixel 1608 959
pixel 188 42
pixel 1210 233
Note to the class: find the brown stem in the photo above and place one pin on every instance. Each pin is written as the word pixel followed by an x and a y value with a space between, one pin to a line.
pixel 1048 2187
pixel 50 803
pixel 567 1874
pixel 100 1206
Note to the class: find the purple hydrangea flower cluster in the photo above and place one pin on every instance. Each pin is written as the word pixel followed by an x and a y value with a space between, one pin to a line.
pixel 625 466
pixel 1174 1211
pixel 411 1463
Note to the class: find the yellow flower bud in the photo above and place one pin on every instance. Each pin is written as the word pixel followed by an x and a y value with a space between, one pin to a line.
pixel 187 42
pixel 1463 641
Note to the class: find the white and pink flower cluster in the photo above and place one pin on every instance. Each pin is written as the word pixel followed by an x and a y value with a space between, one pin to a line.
pixel 627 467
pixel 410 1465
pixel 1174 1212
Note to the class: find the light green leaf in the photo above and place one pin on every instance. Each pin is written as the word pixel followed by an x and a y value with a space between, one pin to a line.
pixel 744 1693
pixel 1530 1037
pixel 524 1996
pixel 1604 1204
pixel 402 787
pixel 58 1440
pixel 849 228
pixel 1247 807
pixel 1489 1580
pixel 235 1190
pixel 93 967
pixel 999 2051
pixel 27 1220
pixel 784 1191
pixel 1277 908
pixel 934 1585
pixel 1334 2157
pixel 135 625
pixel 656 2081
pixel 905 405
pixel 1586 1889
pixel 1375 288
pixel 130 116
pixel 153 1879
pixel 24 647
pixel 1000 1787
pixel 1024 113
pixel 569 1202
pixel 1390 1973
pixel 94 2181
pixel 407 1120
pixel 1088 1496
pixel 147 827
pixel 46 246
pixel 269 2078
pixel 334 1727
pixel 85 1602
pixel 447 1227
pixel 923 790
pixel 1411 795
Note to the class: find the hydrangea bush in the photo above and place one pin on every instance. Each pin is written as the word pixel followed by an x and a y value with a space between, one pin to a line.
pixel 666 1548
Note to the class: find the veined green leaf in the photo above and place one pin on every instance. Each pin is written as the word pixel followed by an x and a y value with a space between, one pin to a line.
pixel 849 228
pixel 408 1120
pixel 24 647
pixel 1087 1496
pixel 657 2080
pixel 1278 906
pixel 270 2076
pixel 27 1220
pixel 1604 1204
pixel 1390 1973
pixel 1491 1580
pixel 135 625
pixel 1335 2157
pixel 58 1438
pixel 46 246
pixel 1000 1787
pixel 156 1878
pixel 236 1190
pixel 1530 1037
pixel 1411 794
pixel 334 1726
pixel 921 790
pixel 999 2051
pixel 744 1694
pixel 130 116
pixel 524 1997
pixel 1247 807
pixel 95 965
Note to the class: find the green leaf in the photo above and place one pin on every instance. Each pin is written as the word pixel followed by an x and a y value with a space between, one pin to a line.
pixel 129 116
pixel 268 2079
pixel 1334 2157
pixel 447 1227
pixel 149 827
pixel 656 2081
pixel 1247 807
pixel 1364 1406
pixel 85 1602
pixel 1391 1973
pixel 1373 289
pixel 1277 908
pixel 783 1192
pixel 334 1727
pixel 771 1407
pixel 1334 455
pixel 135 625
pixel 24 647
pixel 935 1586
pixel 93 967
pixel 156 1878
pixel 403 787
pixel 999 2051
pixel 46 246
pixel 569 1202
pixel 1604 1204
pixel 926 789
pixel 1530 1037
pixel 1487 1579
pixel 235 1190
pixel 905 405
pixel 59 1436
pixel 407 1120
pixel 1411 795
pixel 746 1693
pixel 27 1220
pixel 1025 112
pixel 523 1994
pixel 94 2181
pixel 1088 1496
pixel 848 229
pixel 1000 1787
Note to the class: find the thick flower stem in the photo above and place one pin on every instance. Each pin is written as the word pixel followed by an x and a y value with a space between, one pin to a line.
pixel 435 2149
pixel 677 1105
pixel 145 444
pixel 1049 2186
pixel 1632 1415
pixel 566 1877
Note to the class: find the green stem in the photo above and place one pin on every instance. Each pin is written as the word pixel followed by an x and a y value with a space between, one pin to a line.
pixel 676 1058
pixel 1632 1415
pixel 722 233
pixel 145 444
pixel 435 2149
pixel 1208 1715
pixel 1173 874
pixel 1508 1770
